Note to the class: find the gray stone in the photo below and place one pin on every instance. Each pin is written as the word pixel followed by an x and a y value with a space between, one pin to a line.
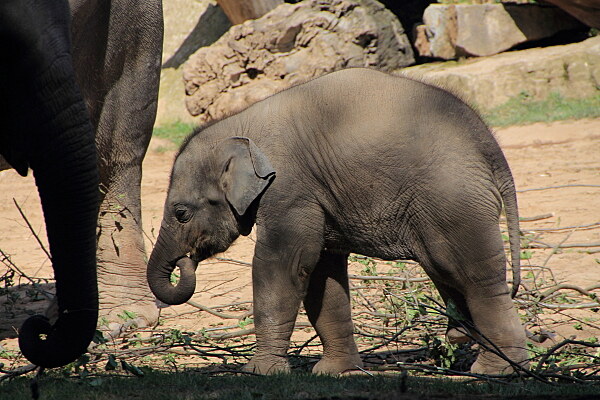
pixel 452 31
pixel 572 70
pixel 289 45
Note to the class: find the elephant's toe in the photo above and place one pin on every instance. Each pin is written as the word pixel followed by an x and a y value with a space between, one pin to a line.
pixel 267 366
pixel 491 364
pixel 336 366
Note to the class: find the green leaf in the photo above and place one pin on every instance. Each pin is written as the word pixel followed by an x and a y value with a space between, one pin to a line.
pixel 127 315
pixel 99 337
pixel 453 311
pixel 111 364
pixel 83 360
pixel 245 322
pixel 526 254
pixel 95 382
pixel 131 368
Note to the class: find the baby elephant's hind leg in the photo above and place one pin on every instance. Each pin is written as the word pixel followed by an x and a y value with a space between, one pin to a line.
pixel 499 327
pixel 475 267
pixel 327 304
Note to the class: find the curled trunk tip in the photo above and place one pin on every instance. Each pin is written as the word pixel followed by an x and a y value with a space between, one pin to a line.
pixel 159 280
pixel 52 346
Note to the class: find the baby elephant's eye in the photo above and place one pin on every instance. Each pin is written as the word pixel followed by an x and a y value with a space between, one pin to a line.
pixel 182 214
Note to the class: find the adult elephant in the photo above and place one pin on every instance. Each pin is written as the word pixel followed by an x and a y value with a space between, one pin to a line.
pixel 117 50
pixel 116 54
pixel 45 127
pixel 354 161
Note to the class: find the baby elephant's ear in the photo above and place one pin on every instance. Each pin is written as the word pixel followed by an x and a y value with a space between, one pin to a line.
pixel 247 172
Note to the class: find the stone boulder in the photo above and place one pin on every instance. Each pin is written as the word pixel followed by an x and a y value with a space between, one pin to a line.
pixel 451 31
pixel 291 44
pixel 572 70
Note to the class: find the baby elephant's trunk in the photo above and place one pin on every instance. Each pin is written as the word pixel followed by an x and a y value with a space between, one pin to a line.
pixel 166 255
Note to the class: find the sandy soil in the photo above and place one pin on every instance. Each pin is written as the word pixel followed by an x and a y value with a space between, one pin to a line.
pixel 540 155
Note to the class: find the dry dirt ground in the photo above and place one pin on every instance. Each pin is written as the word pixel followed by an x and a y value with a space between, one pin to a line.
pixel 540 155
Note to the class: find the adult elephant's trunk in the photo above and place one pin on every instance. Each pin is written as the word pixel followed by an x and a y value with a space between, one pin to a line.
pixel 166 255
pixel 65 169
pixel 48 123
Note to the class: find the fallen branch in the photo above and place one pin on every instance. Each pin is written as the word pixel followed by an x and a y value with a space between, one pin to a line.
pixel 558 187
pixel 541 245
pixel 557 346
pixel 217 313
pixel 585 292
pixel 564 228
pixel 8 374
pixel 387 278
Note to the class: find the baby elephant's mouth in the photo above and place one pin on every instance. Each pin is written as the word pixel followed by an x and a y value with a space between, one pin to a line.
pixel 199 255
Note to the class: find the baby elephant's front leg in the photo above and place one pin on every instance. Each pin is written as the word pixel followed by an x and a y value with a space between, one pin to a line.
pixel 277 295
pixel 327 304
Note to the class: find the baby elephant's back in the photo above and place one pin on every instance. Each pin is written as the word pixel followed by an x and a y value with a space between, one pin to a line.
pixel 378 121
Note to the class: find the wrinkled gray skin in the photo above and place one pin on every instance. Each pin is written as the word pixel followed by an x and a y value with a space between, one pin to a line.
pixel 117 50
pixel 45 126
pixel 355 161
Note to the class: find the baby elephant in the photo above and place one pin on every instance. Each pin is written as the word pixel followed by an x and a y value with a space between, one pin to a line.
pixel 355 161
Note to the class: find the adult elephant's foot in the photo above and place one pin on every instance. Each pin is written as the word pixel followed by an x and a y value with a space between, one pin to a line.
pixel 337 365
pixel 126 301
pixel 268 365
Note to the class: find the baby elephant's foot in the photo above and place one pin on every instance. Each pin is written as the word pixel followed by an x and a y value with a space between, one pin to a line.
pixel 267 365
pixel 490 364
pixel 458 336
pixel 337 365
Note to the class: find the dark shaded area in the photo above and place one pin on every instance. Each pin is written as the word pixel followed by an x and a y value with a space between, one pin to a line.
pixel 225 382
pixel 409 12
pixel 210 27
pixel 561 38
pixel 19 302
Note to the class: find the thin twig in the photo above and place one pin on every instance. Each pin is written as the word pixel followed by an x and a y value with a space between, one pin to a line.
pixel 35 235
pixel 217 313
pixel 8 262
pixel 558 187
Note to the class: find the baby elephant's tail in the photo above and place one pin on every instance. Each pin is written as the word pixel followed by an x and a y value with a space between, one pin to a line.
pixel 506 186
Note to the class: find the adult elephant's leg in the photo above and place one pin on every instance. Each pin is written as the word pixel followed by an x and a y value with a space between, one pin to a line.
pixel 121 42
pixel 327 304
pixel 283 261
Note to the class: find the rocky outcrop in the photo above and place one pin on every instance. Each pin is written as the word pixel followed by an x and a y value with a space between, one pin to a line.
pixel 239 11
pixel 572 70
pixel 289 45
pixel 451 31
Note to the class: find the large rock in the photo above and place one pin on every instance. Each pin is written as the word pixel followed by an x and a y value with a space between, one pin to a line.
pixel 289 45
pixel 189 25
pixel 451 31
pixel 239 11
pixel 572 70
